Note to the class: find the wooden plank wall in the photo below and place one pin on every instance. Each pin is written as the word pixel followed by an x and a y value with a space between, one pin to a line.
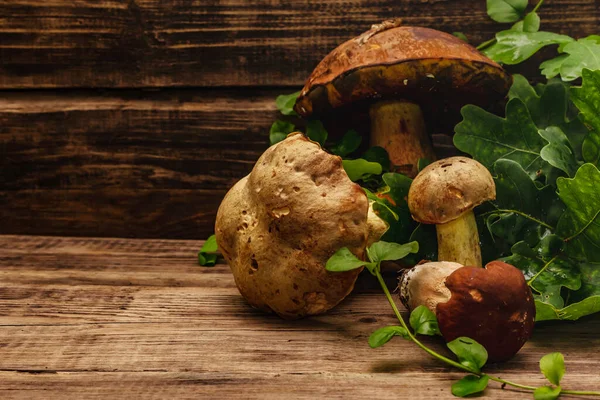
pixel 131 118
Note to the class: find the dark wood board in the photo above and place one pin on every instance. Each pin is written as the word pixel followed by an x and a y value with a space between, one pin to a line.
pixel 157 43
pixel 128 164
pixel 121 319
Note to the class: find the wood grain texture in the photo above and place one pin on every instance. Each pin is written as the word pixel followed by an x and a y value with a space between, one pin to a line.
pixel 116 318
pixel 140 43
pixel 128 164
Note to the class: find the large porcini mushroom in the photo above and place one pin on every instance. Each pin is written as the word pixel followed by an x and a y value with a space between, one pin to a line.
pixel 492 305
pixel 444 193
pixel 396 71
pixel 278 226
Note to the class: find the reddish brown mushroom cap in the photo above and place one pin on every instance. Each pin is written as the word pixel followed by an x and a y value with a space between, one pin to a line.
pixel 409 62
pixel 492 305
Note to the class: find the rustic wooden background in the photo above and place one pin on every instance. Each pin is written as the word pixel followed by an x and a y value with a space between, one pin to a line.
pixel 132 118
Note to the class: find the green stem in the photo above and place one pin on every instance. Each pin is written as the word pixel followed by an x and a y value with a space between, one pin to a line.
pixel 504 381
pixel 410 335
pixel 487 43
pixel 522 214
pixel 584 228
pixel 529 282
pixel 538 5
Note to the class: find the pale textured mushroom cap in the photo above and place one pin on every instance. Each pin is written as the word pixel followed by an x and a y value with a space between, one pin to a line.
pixel 424 284
pixel 279 225
pixel 447 188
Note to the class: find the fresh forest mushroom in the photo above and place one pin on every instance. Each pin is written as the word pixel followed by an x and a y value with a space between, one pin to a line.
pixel 492 305
pixel 396 71
pixel 444 193
pixel 278 226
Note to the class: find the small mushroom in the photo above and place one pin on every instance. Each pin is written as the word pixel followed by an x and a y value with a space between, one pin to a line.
pixel 444 193
pixel 278 226
pixel 396 71
pixel 492 305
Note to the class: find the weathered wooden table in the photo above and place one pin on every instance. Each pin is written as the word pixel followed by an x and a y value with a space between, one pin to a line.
pixel 119 318
pixel 132 118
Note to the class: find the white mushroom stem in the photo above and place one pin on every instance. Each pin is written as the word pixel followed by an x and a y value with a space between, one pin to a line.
pixel 398 126
pixel 458 241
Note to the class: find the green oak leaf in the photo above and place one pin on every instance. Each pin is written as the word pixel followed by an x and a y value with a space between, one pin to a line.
pixel 470 384
pixel 522 211
pixel 515 190
pixel 393 208
pixel 506 10
pixel 549 105
pixel 279 131
pixel 488 137
pixel 206 255
pixel 546 109
pixel 579 226
pixel 553 367
pixel 513 46
pixel 587 99
pixel 383 335
pixel 360 169
pixel 577 55
pixel 386 251
pixel 547 276
pixel 546 393
pixel 348 144
pixel 591 148
pixel 590 278
pixel 551 68
pixel 582 302
pixel 424 322
pixel 469 353
pixel 343 260
pixel 492 247
pixel 558 151
pixel 285 103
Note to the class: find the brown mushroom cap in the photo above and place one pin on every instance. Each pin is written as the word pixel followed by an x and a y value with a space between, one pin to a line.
pixel 413 63
pixel 447 188
pixel 492 305
pixel 278 226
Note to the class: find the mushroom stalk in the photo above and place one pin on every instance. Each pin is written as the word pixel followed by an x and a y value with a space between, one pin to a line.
pixel 398 126
pixel 458 241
